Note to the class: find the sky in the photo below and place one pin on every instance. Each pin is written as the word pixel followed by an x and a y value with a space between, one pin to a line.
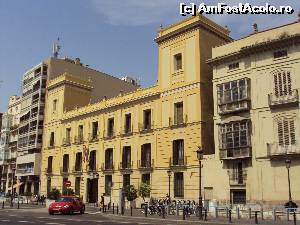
pixel 112 36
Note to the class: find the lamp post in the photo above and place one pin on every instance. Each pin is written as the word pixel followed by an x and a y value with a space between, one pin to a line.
pixel 200 157
pixel 169 175
pixel 288 166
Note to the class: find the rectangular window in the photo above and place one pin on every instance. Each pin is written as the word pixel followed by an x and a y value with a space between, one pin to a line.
pixel 95 130
pixel 78 161
pixel 52 141
pixel 178 185
pixel 238 196
pixel 146 178
pixel 110 127
pixel 108 184
pixel 80 133
pixel 92 161
pixel 146 156
pixel 147 119
pixel 282 83
pixel 68 135
pixel 279 54
pixel 178 113
pixel 127 123
pixel 233 66
pixel 109 159
pixel 178 152
pixel 126 157
pixel 77 185
pixel 126 180
pixel 178 61
pixel 50 160
pixel 66 163
pixel 54 104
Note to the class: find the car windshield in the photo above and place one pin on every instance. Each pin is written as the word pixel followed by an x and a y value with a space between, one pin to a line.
pixel 63 199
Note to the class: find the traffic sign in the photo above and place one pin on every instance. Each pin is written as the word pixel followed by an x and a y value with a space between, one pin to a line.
pixel 68 183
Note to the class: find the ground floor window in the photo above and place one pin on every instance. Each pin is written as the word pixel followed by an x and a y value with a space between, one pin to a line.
pixel 178 185
pixel 126 180
pixel 146 178
pixel 108 184
pixel 238 196
pixel 77 185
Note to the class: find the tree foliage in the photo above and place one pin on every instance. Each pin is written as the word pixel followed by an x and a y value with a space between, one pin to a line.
pixel 145 190
pixel 131 192
pixel 54 194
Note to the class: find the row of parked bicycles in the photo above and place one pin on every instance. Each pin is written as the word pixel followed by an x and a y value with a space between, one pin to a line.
pixel 160 207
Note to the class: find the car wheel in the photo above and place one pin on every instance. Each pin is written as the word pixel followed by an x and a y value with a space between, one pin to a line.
pixel 71 211
pixel 82 210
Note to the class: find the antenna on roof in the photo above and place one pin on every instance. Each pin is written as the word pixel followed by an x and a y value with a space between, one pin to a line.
pixel 56 48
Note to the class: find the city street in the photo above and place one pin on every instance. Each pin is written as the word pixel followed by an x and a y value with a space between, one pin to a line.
pixel 40 216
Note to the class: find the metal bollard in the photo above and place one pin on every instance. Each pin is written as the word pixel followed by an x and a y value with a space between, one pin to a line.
pixel 274 214
pixel 238 213
pixel 163 212
pixel 117 209
pixel 122 210
pixel 183 213
pixel 113 208
pixel 131 211
pixel 227 212
pixel 256 220
pixel 3 205
pixel 18 204
pixel 249 213
pixel 205 214
pixel 146 210
pixel 262 213
pixel 229 216
pixel 295 219
pixel 216 211
pixel 288 214
pixel 177 210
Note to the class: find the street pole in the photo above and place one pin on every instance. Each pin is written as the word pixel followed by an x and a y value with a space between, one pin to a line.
pixel 289 183
pixel 200 194
pixel 169 185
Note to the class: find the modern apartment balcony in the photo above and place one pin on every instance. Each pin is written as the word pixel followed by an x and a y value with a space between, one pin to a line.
pixel 108 167
pixel 64 171
pixel 66 142
pixel 289 99
pixel 237 178
pixel 235 153
pixel 178 163
pixel 34 159
pixel 146 165
pixel 93 137
pixel 77 170
pixel 279 150
pixel 178 122
pixel 126 167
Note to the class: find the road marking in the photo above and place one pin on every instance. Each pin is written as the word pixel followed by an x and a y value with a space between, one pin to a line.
pixel 23 221
pixel 92 213
pixel 55 223
pixel 12 215
pixel 4 220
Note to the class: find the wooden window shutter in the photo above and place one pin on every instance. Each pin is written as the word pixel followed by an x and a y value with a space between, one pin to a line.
pixel 280 132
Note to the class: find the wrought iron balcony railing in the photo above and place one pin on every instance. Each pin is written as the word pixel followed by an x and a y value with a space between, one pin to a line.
pixel 286 99
pixel 178 162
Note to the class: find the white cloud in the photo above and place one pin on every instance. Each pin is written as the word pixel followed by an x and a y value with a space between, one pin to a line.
pixel 142 12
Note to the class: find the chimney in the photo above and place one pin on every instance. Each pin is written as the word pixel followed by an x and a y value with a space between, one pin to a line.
pixel 255 28
pixel 77 61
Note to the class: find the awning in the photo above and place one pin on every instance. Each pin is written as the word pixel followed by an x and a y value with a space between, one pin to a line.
pixel 18 185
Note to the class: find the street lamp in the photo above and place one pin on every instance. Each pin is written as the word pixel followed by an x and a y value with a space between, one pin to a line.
pixel 169 175
pixel 200 157
pixel 288 166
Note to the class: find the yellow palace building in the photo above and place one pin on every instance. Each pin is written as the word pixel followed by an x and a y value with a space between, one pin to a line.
pixel 137 136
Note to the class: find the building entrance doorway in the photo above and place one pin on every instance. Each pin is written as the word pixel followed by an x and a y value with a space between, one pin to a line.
pixel 92 190
pixel 238 196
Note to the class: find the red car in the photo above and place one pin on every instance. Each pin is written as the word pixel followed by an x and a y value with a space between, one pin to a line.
pixel 67 205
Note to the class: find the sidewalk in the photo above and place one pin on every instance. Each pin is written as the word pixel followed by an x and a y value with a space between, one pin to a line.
pixel 137 215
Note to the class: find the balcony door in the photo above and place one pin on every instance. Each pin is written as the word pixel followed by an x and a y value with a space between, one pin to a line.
pixel 66 163
pixel 109 158
pixel 178 152
pixel 78 162
pixel 92 161
pixel 282 83
pixel 126 157
pixel 146 155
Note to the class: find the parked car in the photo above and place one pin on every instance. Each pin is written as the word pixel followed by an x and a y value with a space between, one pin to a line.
pixel 67 205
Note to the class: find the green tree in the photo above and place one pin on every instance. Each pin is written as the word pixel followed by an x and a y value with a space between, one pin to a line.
pixel 54 194
pixel 68 191
pixel 144 190
pixel 131 193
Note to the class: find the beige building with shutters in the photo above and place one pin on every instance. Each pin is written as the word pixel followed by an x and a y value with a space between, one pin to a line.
pixel 256 117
